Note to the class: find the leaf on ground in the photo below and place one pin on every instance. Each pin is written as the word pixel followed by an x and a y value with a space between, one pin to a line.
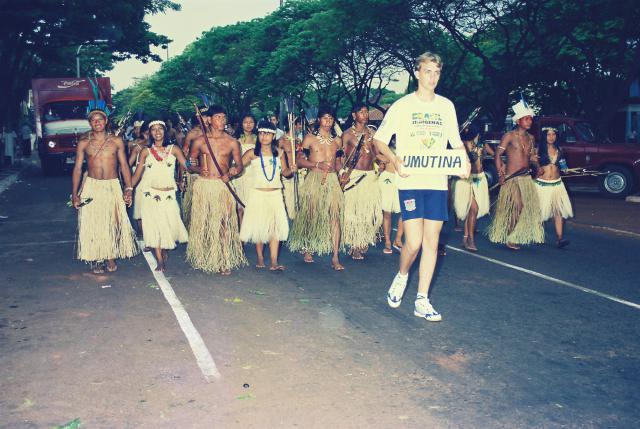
pixel 73 424
pixel 257 292
pixel 304 300
pixel 243 397
pixel 235 300
pixel 153 285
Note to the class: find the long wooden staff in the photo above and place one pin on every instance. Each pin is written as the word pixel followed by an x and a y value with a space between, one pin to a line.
pixel 213 157
pixel 292 139
pixel 521 172
pixel 352 161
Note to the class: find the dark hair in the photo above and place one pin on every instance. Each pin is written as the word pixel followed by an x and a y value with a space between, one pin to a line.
pixel 324 110
pixel 543 151
pixel 274 143
pixel 240 131
pixel 166 141
pixel 358 106
pixel 214 109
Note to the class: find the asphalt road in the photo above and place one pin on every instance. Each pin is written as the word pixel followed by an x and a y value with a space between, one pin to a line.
pixel 555 346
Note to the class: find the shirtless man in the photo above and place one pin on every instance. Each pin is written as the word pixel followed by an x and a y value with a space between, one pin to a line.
pixel 214 239
pixel 471 195
pixel 188 178
pixel 104 230
pixel 317 226
pixel 362 201
pixel 137 137
pixel 517 218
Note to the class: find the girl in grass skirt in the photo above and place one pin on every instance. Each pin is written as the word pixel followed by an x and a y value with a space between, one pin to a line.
pixel 161 222
pixel 265 217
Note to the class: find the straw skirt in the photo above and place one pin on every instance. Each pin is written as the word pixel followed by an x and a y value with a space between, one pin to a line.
pixel 264 217
pixel 214 240
pixel 162 226
pixel 104 230
pixel 362 210
pixel 553 199
pixel 475 187
pixel 321 206
pixel 517 217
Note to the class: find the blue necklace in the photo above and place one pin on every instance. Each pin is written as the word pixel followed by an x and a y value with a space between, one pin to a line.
pixel 273 172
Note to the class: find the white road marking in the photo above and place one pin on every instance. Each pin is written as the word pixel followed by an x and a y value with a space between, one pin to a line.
pixel 38 243
pixel 7 182
pixel 199 348
pixel 549 278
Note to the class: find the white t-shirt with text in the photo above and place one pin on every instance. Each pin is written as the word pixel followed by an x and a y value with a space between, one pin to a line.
pixel 420 126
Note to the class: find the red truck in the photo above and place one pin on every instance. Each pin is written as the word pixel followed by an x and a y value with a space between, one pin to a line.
pixel 60 115
pixel 583 148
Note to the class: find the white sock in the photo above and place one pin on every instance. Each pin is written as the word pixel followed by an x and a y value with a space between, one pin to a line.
pixel 421 295
pixel 402 276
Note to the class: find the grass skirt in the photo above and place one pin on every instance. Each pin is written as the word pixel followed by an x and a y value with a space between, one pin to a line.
pixel 553 199
pixel 214 241
pixel 390 200
pixel 244 184
pixel 137 198
pixel 288 190
pixel 264 217
pixel 517 195
pixel 104 230
pixel 187 198
pixel 161 223
pixel 362 210
pixel 475 186
pixel 320 207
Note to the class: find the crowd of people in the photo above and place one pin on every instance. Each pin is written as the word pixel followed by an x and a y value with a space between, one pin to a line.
pixel 319 190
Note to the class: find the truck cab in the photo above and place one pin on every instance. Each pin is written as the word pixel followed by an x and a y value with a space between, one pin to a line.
pixel 60 116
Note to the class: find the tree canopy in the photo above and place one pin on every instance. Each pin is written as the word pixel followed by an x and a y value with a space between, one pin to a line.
pixel 40 39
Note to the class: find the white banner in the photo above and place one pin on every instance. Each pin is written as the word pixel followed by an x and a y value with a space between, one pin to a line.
pixel 450 162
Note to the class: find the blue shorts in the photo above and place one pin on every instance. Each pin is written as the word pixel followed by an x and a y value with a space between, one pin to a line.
pixel 424 204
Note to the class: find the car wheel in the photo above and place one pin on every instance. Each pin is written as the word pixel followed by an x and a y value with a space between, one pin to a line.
pixel 618 183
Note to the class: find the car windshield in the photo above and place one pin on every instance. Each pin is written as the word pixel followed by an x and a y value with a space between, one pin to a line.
pixel 64 110
pixel 585 131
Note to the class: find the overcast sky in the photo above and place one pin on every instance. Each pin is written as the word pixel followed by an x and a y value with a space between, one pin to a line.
pixel 184 26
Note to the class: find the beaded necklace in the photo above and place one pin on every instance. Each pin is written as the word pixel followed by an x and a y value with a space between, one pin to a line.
pixel 273 162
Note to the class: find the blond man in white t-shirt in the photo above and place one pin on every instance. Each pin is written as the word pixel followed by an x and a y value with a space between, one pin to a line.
pixel 422 121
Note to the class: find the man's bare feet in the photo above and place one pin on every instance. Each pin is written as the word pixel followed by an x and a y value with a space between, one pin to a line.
pixel 336 265
pixel 111 266
pixel 397 246
pixel 98 268
pixel 225 273
pixel 276 267
pixel 356 255
pixel 512 246
pixel 387 250
pixel 308 258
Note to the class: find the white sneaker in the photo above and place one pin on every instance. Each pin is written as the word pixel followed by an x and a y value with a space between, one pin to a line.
pixel 394 295
pixel 423 308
